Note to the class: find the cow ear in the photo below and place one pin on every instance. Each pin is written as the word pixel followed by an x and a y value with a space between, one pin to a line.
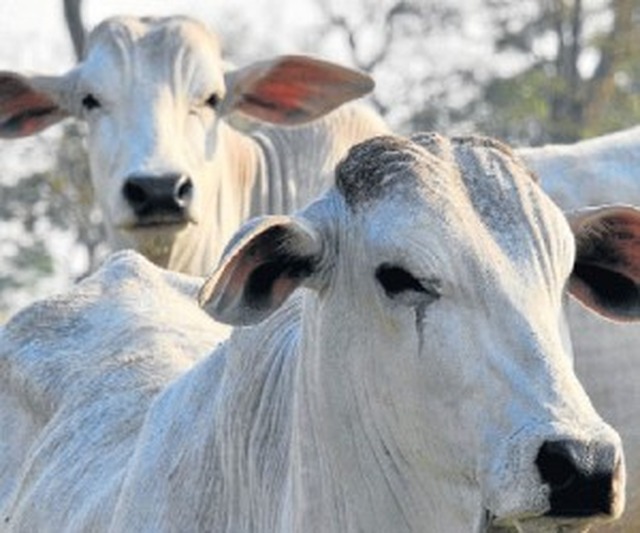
pixel 606 274
pixel 291 90
pixel 27 105
pixel 267 260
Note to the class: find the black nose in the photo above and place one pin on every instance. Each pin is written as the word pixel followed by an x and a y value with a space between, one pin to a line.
pixel 159 199
pixel 583 477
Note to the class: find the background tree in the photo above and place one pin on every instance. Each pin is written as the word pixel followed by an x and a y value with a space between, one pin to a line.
pixel 579 76
pixel 72 163
pixel 47 210
pixel 394 41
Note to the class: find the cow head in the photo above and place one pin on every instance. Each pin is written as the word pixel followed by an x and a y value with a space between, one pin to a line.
pixel 435 336
pixel 152 92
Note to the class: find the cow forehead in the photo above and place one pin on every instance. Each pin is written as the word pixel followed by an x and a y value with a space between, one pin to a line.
pixel 388 164
pixel 465 187
pixel 157 40
pixel 151 30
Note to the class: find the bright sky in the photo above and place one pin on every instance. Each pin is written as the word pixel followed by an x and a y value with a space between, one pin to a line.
pixel 34 36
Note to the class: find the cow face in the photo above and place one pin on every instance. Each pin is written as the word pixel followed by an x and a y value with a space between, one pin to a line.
pixel 152 92
pixel 435 336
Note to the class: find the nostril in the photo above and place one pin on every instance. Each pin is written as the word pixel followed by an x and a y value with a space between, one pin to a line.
pixel 135 194
pixel 583 478
pixel 556 466
pixel 159 199
pixel 184 189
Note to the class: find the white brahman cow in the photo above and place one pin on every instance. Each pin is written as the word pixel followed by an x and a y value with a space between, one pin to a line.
pixel 402 364
pixel 173 179
pixel 89 357
pixel 597 171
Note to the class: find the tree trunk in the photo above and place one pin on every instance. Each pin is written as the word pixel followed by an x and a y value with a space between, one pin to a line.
pixel 616 46
pixel 567 105
pixel 73 19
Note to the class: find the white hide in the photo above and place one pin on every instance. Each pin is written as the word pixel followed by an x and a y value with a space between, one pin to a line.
pixel 407 385
pixel 598 171
pixel 76 388
pixel 155 92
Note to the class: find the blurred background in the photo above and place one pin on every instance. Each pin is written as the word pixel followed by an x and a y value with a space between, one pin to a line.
pixel 528 71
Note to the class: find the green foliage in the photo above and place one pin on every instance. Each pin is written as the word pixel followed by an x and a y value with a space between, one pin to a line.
pixel 29 261
pixel 514 108
pixel 555 97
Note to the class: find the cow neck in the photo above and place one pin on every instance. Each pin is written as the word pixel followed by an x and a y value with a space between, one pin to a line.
pixel 349 468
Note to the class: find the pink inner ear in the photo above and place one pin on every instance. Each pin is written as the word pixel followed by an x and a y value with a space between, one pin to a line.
pixel 282 288
pixel 316 74
pixel 24 111
pixel 33 100
pixel 304 86
pixel 17 95
pixel 285 95
pixel 624 231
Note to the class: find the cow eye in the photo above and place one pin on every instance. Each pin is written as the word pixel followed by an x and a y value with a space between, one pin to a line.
pixel 395 281
pixel 212 101
pixel 90 102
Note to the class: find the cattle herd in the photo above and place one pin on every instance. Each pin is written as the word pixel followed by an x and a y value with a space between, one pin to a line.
pixel 311 324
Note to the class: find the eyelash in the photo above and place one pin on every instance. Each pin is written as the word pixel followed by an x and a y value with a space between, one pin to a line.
pixel 396 280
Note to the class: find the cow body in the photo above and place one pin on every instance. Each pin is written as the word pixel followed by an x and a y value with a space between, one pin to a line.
pixel 87 366
pixel 173 179
pixel 593 172
pixel 403 365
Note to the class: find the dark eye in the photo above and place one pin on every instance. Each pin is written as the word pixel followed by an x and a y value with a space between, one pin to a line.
pixel 396 280
pixel 90 102
pixel 212 101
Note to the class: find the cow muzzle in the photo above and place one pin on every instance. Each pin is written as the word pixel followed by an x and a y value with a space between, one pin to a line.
pixel 556 480
pixel 159 200
pixel 584 478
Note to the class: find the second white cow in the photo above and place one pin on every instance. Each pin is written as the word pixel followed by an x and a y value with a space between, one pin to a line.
pixel 173 179
pixel 403 365
pixel 598 171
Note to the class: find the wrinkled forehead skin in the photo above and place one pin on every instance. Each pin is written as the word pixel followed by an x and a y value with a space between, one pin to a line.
pixel 150 49
pixel 479 199
pixel 148 32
